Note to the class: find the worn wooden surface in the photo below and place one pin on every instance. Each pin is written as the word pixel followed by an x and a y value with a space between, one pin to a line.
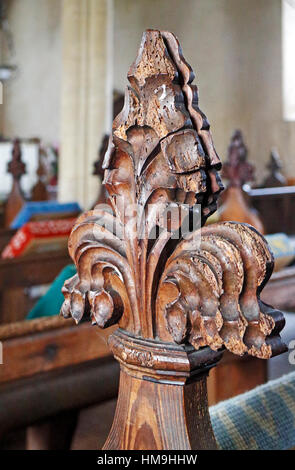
pixel 182 295
pixel 47 359
pixel 39 371
pixel 165 289
pixel 33 269
pixel 30 327
pixel 50 349
pixel 275 206
pixel 235 375
pixel 40 396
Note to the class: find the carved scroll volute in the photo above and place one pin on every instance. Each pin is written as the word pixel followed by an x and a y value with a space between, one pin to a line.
pixel 178 295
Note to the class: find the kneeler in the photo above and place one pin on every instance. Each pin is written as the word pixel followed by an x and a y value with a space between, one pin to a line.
pixel 181 292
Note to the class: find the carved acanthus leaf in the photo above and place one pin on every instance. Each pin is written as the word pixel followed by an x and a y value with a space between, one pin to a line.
pixel 237 169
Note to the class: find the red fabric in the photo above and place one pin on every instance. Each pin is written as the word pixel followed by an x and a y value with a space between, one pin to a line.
pixel 47 229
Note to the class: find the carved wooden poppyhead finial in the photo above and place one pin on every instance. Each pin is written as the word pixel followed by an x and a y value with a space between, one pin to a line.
pixel 141 266
pixel 237 170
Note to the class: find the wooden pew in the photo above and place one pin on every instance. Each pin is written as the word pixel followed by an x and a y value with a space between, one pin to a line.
pixel 276 208
pixel 38 359
pixel 42 380
pixel 20 273
pixel 17 275
pixel 16 198
pixel 35 352
pixel 280 290
pixel 52 369
pixel 50 366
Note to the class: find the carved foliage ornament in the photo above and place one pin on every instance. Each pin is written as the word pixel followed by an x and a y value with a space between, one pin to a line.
pixel 161 155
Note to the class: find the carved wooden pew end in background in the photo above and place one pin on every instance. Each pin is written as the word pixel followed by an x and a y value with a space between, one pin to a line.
pixel 16 199
pixel 178 301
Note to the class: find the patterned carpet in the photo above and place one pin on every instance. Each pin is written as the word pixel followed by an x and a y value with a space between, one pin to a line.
pixel 263 418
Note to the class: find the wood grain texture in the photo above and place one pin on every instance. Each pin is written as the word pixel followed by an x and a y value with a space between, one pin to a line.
pixel 156 413
pixel 179 296
pixel 5 235
pixel 22 328
pixel 32 270
pixel 51 349
pixel 164 288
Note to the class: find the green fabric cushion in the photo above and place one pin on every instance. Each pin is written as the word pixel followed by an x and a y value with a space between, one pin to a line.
pixel 51 302
pixel 263 418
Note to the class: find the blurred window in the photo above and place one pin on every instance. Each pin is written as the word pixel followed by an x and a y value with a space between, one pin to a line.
pixel 288 56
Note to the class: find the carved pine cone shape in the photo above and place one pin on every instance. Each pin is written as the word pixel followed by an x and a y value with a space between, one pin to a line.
pixel 205 297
